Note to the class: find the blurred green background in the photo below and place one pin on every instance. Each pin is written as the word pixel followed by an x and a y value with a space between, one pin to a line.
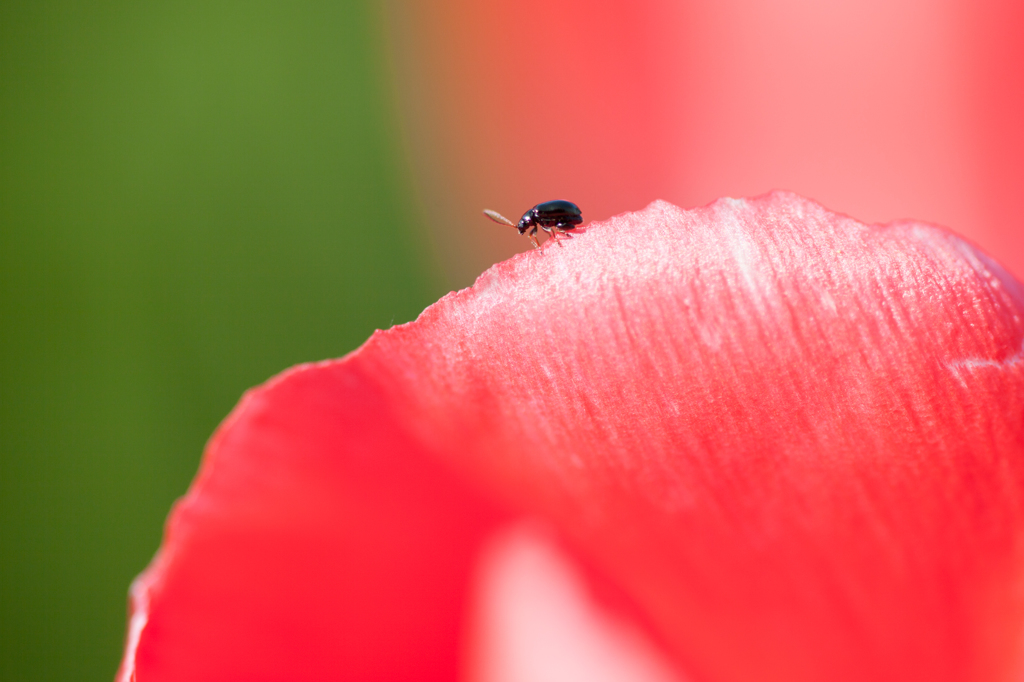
pixel 193 196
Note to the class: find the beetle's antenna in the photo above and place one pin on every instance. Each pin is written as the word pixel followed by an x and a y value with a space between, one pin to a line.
pixel 498 218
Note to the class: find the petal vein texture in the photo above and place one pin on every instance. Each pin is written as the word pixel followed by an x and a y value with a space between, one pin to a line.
pixel 792 446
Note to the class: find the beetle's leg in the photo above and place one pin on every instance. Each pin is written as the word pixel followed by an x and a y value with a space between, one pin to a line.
pixel 555 231
pixel 533 238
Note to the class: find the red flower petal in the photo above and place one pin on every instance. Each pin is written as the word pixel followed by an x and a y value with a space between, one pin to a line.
pixel 316 539
pixel 794 442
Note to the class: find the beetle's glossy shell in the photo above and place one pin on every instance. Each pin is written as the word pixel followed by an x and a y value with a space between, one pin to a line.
pixel 562 214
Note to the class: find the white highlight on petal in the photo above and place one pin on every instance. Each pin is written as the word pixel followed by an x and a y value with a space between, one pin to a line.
pixel 534 620
pixel 139 597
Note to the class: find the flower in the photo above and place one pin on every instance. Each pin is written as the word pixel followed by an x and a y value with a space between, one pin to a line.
pixel 781 443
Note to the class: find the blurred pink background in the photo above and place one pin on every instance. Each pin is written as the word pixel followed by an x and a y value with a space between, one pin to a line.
pixel 882 110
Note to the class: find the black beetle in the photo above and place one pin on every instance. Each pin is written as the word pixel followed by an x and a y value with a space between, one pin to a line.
pixel 554 217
